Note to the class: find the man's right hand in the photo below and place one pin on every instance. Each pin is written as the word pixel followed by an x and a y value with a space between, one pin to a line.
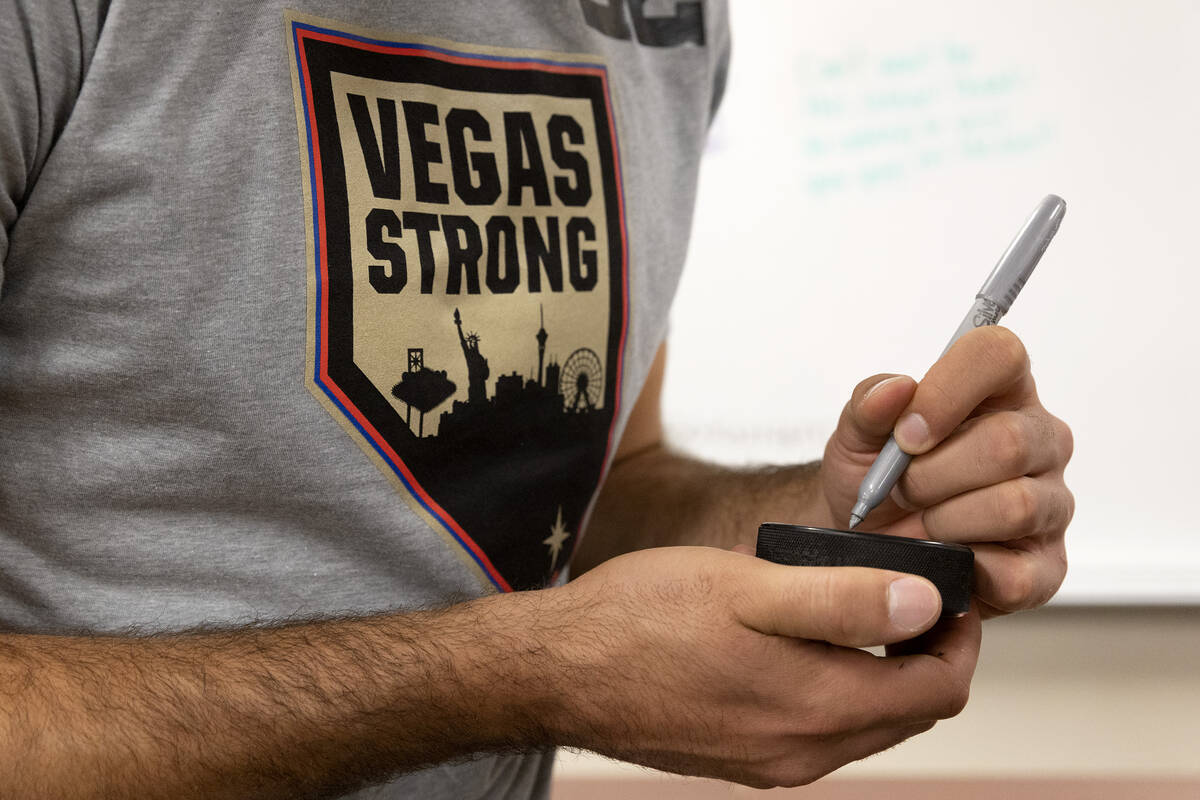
pixel 689 659
pixel 708 662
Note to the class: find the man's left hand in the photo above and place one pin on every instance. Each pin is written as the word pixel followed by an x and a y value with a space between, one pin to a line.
pixel 987 468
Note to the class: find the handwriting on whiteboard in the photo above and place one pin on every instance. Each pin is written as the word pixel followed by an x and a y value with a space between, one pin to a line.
pixel 869 119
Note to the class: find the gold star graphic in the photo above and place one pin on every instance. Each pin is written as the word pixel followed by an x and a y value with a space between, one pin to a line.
pixel 558 535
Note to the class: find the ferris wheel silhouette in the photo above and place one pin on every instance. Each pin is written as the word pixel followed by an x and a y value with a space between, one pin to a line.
pixel 582 379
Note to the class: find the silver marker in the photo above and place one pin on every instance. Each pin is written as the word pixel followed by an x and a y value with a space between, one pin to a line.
pixel 993 301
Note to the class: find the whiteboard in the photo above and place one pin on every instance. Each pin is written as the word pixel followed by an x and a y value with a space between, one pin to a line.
pixel 869 165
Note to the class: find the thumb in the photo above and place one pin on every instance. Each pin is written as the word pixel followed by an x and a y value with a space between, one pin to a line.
pixel 850 606
pixel 868 418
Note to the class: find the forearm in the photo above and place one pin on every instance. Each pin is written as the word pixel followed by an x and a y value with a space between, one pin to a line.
pixel 306 710
pixel 658 497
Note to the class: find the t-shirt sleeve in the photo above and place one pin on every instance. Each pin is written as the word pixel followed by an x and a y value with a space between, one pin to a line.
pixel 42 63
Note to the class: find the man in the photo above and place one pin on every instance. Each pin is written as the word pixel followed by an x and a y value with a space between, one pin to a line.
pixel 320 322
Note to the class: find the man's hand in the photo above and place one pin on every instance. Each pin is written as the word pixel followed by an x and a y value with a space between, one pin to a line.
pixel 987 472
pixel 713 663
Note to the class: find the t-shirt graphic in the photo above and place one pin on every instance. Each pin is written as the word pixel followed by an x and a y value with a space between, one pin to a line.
pixel 467 279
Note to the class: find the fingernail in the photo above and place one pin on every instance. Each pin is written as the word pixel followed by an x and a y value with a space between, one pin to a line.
pixel 881 384
pixel 911 433
pixel 912 603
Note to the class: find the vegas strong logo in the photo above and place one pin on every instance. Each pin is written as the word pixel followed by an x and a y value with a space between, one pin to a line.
pixel 469 284
pixel 465 193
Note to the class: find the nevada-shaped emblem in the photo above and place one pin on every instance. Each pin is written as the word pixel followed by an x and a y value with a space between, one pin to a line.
pixel 467 280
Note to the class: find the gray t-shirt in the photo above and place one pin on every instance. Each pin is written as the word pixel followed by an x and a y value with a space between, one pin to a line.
pixel 331 308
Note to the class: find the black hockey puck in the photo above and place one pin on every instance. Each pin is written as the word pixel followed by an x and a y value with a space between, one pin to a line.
pixel 950 567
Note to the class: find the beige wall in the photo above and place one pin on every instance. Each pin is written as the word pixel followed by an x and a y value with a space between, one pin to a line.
pixel 1063 691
